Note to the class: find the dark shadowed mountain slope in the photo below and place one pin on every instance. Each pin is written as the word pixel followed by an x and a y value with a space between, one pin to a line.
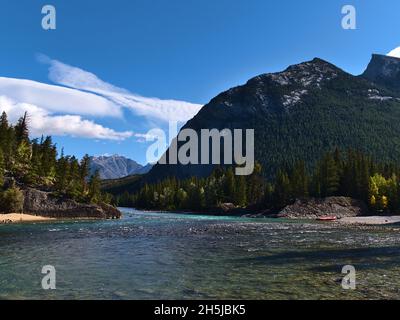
pixel 301 113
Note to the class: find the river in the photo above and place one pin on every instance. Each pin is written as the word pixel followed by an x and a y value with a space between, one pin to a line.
pixel 174 256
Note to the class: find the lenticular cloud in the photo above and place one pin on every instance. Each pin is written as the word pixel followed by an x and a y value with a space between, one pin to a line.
pixel 152 108
pixel 59 109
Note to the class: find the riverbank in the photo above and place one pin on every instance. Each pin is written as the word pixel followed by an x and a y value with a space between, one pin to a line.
pixel 372 220
pixel 47 204
pixel 21 218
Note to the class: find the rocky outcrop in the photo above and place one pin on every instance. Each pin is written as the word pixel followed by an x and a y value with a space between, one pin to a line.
pixel 312 208
pixel 226 207
pixel 45 204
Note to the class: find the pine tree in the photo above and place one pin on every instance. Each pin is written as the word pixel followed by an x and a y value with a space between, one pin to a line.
pixel 268 195
pixel 4 130
pixel 363 179
pixel 21 129
pixel 22 158
pixel 299 180
pixel 94 187
pixel 282 196
pixel 255 186
pixel 330 180
pixel 73 180
pixel 7 140
pixel 48 159
pixel 2 168
pixel 62 173
pixel 84 172
pixel 229 185
pixel 240 198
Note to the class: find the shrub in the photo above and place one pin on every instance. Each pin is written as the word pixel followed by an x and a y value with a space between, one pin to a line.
pixel 11 201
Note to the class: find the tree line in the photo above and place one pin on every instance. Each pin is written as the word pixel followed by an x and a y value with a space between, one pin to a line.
pixel 35 163
pixel 350 173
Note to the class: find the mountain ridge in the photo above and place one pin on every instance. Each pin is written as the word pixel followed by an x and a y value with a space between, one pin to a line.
pixel 116 166
pixel 301 113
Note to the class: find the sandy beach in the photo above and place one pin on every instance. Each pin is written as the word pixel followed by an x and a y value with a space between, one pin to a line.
pixel 19 218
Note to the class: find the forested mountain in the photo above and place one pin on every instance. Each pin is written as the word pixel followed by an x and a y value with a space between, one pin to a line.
pixel 303 112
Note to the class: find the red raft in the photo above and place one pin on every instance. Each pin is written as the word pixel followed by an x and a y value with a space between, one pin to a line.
pixel 327 218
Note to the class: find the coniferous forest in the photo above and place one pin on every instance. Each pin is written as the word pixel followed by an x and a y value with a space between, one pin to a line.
pixel 338 173
pixel 36 163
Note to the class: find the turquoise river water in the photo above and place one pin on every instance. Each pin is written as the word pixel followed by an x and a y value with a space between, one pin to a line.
pixel 174 256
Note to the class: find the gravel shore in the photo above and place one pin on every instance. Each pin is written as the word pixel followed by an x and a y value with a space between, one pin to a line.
pixel 373 220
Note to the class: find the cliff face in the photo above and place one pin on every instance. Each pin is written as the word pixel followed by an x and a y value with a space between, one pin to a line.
pixel 44 204
pixel 384 70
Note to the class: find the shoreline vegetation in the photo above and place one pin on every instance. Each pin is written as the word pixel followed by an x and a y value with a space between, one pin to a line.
pixel 36 179
pixel 344 184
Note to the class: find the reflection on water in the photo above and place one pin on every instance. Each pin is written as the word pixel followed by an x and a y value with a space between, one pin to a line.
pixel 170 256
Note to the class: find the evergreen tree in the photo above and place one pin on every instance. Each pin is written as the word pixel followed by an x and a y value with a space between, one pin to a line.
pixel 62 173
pixel 2 168
pixel 4 132
pixel 240 193
pixel 299 180
pixel 21 129
pixel 255 186
pixel 84 172
pixel 94 188
pixel 282 194
pixel 48 159
pixel 229 185
pixel 329 175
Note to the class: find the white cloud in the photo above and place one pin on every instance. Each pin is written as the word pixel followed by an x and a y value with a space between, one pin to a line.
pixel 153 108
pixel 145 137
pixel 394 53
pixel 59 109
pixel 42 122
pixel 58 99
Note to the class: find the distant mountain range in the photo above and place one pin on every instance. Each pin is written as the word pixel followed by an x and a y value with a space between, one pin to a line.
pixel 115 167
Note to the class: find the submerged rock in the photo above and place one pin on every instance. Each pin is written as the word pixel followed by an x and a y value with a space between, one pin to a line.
pixel 46 204
pixel 312 208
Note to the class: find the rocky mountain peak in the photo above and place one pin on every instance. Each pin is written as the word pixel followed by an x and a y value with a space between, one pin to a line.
pixel 307 74
pixel 277 92
pixel 384 70
pixel 115 166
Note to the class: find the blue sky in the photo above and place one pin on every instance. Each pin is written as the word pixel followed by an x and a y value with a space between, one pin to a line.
pixel 181 50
